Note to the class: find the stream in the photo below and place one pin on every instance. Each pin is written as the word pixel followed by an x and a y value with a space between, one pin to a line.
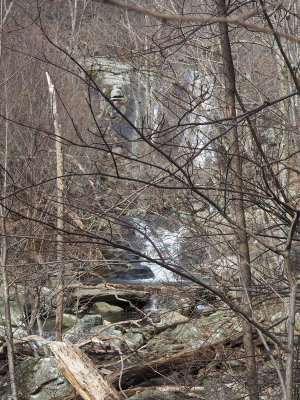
pixel 155 237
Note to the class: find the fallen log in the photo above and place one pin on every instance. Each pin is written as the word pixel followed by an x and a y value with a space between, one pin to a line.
pixel 81 372
pixel 138 288
pixel 77 368
pixel 196 290
pixel 188 391
pixel 190 360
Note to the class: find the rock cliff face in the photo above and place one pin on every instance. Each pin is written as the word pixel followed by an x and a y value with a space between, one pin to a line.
pixel 119 83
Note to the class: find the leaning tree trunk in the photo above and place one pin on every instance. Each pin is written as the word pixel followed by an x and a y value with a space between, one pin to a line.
pixel 238 203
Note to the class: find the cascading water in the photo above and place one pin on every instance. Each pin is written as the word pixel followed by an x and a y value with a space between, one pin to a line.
pixel 158 238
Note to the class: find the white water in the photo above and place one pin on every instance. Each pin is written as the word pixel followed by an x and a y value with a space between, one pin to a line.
pixel 168 244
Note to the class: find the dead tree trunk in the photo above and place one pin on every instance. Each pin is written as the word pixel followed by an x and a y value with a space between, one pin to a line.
pixel 192 360
pixel 4 272
pixel 60 210
pixel 8 327
pixel 82 373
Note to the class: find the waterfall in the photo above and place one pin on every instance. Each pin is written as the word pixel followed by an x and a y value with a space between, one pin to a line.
pixel 167 240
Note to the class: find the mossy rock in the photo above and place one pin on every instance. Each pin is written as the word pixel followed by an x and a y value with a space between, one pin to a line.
pixel 69 320
pixel 103 307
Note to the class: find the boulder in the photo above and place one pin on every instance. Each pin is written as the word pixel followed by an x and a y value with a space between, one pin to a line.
pixel 69 320
pixel 112 332
pixel 17 315
pixel 22 296
pixel 88 326
pixel 88 321
pixel 18 333
pixel 37 379
pixel 83 329
pixel 103 307
pixel 170 317
pixel 129 273
pixel 174 300
pixel 191 334
pixel 134 339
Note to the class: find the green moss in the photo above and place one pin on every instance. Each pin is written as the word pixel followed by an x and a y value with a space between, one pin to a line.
pixel 92 73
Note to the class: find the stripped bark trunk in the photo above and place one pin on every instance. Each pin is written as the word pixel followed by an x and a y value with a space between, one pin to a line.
pixel 60 210
pixel 238 203
pixel 78 369
pixel 82 373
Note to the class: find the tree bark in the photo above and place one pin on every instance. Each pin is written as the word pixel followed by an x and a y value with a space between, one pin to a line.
pixel 8 327
pixel 289 380
pixel 60 211
pixel 289 372
pixel 4 274
pixel 238 203
pixel 183 390
pixel 82 373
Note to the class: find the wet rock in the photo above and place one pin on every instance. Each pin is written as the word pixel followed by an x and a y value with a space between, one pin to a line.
pixel 103 307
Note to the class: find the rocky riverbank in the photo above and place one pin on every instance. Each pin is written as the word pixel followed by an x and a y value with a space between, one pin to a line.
pixel 185 341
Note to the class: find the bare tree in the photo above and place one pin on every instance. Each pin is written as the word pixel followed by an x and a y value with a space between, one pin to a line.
pixel 4 212
pixel 238 204
pixel 224 178
pixel 60 209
